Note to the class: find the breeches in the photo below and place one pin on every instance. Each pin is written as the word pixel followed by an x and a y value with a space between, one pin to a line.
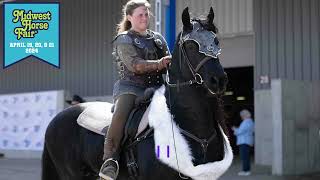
pixel 123 106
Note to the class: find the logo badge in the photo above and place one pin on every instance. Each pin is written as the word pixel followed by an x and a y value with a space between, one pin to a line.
pixel 31 29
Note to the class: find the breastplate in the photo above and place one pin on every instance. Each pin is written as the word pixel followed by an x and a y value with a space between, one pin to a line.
pixel 148 48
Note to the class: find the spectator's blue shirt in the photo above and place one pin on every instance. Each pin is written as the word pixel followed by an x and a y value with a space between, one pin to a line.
pixel 245 132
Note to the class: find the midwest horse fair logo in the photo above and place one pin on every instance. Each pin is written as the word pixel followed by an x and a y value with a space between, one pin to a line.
pixel 31 29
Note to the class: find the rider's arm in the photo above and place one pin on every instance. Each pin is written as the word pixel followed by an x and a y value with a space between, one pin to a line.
pixel 129 56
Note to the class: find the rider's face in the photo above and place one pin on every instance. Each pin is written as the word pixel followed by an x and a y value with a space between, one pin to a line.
pixel 139 19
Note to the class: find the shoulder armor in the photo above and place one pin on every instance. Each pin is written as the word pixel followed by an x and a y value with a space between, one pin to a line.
pixel 159 40
pixel 123 38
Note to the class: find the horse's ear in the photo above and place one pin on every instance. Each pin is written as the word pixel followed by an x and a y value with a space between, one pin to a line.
pixel 210 16
pixel 186 19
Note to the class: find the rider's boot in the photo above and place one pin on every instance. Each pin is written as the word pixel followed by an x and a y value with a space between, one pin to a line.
pixel 110 168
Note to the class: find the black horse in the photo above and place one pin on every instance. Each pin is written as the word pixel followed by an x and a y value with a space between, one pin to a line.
pixel 195 81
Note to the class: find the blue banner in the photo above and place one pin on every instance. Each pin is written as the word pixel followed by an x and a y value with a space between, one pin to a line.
pixel 31 29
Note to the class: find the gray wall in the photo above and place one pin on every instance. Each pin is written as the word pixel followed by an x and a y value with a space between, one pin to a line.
pixel 287 40
pixel 263 127
pixel 87 28
pixel 287 126
pixel 233 17
pixel 237 51
pixel 296 126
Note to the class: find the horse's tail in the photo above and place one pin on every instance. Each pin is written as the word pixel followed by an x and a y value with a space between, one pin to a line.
pixel 49 171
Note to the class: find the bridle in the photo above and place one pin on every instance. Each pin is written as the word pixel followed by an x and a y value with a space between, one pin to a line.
pixel 197 78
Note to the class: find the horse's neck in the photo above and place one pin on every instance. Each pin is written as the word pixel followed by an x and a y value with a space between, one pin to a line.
pixel 192 111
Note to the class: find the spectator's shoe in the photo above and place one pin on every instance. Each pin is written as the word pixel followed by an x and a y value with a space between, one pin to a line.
pixel 109 170
pixel 244 173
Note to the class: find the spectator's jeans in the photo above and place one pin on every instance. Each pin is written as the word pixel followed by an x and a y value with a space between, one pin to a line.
pixel 245 156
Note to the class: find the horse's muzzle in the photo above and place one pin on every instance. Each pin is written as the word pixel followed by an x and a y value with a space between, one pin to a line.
pixel 217 85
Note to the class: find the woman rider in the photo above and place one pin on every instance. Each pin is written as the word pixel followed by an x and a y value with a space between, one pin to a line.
pixel 142 55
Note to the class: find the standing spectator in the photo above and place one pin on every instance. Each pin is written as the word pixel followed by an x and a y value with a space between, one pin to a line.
pixel 76 99
pixel 245 140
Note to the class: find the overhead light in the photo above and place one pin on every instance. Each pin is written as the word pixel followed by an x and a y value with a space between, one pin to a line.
pixel 228 93
pixel 241 98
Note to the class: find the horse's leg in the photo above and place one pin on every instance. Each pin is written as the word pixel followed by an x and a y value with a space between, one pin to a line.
pixel 49 171
pixel 92 152
pixel 67 165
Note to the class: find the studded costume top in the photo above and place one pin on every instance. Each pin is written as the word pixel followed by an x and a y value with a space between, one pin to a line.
pixel 137 58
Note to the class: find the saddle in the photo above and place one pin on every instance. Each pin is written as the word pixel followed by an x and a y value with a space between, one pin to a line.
pixel 136 130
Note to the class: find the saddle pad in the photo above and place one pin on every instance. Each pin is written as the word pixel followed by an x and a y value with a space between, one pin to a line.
pixel 96 116
pixel 160 120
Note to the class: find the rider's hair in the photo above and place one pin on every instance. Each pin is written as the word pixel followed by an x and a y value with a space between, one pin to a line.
pixel 128 9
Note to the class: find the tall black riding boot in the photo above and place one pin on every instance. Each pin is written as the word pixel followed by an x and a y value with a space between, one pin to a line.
pixel 110 168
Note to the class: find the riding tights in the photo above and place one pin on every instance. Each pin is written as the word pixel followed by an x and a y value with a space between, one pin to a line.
pixel 123 106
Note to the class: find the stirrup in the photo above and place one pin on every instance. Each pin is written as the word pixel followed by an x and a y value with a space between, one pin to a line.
pixel 102 176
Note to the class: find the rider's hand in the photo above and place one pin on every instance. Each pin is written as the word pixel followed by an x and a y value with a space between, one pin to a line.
pixel 163 62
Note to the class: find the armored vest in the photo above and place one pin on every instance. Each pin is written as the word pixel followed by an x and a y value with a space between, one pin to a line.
pixel 150 47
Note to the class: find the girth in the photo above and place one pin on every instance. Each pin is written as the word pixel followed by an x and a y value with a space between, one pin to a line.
pixel 130 156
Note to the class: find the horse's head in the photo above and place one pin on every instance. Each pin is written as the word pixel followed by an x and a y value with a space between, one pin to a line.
pixel 195 56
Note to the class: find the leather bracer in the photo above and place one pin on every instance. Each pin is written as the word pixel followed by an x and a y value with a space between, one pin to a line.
pixel 146 66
